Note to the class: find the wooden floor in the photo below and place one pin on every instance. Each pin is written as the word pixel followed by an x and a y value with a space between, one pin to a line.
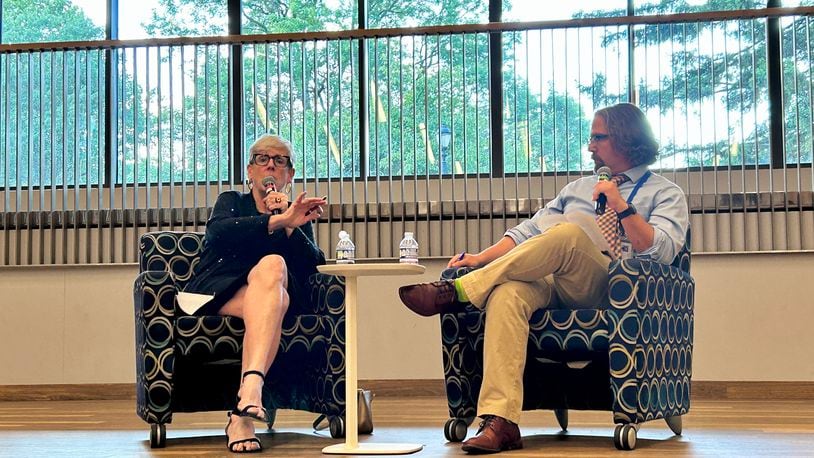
pixel 111 428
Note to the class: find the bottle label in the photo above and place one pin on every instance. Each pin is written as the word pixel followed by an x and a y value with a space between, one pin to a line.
pixel 345 256
pixel 408 255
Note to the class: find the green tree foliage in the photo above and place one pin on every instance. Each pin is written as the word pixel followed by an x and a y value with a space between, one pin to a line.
pixel 417 85
pixel 723 65
pixel 36 21
pixel 308 92
pixel 50 108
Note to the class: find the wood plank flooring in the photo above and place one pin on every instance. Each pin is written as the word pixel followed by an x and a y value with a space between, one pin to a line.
pixel 111 428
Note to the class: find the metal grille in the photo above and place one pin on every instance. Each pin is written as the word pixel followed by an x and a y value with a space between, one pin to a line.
pixel 395 127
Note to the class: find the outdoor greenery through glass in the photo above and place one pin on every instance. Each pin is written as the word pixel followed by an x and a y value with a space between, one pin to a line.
pixel 703 85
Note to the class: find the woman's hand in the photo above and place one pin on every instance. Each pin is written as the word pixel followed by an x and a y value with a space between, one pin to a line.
pixel 303 210
pixel 276 201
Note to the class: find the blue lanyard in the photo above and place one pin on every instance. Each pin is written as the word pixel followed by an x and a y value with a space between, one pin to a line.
pixel 638 185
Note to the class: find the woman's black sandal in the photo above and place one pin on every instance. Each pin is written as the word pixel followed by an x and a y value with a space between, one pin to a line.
pixel 262 415
pixel 248 440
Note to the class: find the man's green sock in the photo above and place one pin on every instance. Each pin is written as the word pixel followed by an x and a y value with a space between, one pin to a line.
pixel 459 290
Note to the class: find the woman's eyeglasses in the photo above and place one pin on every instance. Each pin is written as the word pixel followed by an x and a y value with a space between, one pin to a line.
pixel 597 138
pixel 263 159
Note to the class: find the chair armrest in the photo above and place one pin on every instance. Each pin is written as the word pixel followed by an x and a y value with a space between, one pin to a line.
pixel 638 281
pixel 650 327
pixel 154 293
pixel 154 298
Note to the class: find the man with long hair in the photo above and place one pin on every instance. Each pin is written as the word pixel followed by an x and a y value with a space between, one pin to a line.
pixel 551 260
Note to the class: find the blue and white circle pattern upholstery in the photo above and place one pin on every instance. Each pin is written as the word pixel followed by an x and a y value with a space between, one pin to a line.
pixel 308 373
pixel 639 344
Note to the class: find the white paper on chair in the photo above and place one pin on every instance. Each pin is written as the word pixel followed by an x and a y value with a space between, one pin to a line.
pixel 191 302
pixel 583 220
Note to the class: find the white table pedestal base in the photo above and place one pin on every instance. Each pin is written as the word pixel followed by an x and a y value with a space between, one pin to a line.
pixel 351 272
pixel 372 449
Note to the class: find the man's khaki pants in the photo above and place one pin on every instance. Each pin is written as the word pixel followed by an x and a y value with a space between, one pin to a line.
pixel 560 266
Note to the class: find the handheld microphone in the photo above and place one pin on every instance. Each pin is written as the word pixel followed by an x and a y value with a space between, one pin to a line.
pixel 271 186
pixel 604 174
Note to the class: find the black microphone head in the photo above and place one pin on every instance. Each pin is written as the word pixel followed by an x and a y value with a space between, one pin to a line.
pixel 269 183
pixel 604 173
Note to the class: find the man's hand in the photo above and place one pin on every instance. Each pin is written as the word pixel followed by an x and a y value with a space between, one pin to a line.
pixel 464 260
pixel 611 191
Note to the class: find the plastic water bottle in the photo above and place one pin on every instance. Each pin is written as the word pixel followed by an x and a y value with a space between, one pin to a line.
pixel 345 249
pixel 408 249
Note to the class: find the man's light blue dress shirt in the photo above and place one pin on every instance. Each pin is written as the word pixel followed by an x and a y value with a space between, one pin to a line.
pixel 660 202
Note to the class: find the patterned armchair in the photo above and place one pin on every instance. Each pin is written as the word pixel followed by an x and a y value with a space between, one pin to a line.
pixel 190 364
pixel 631 355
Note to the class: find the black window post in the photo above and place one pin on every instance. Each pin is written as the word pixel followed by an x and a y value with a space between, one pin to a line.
pixel 111 97
pixel 364 145
pixel 236 140
pixel 496 89
pixel 631 53
pixel 775 76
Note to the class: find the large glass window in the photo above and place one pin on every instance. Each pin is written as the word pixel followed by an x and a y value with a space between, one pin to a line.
pixel 534 10
pixel 422 13
pixel 554 79
pixel 699 6
pixel 704 86
pixel 303 91
pixel 172 102
pixel 263 16
pixel 51 110
pixel 172 18
pixel 36 21
pixel 428 95
pixel 428 109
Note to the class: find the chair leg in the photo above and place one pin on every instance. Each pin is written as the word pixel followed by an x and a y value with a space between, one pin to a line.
pixel 674 423
pixel 272 416
pixel 562 418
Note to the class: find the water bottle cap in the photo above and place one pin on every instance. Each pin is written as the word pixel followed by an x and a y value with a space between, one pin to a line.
pixel 408 234
pixel 343 235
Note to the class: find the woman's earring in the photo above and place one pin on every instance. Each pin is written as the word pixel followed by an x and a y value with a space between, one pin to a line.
pixel 287 188
pixel 249 184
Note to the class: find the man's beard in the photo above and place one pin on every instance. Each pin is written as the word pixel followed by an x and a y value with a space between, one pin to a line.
pixel 597 163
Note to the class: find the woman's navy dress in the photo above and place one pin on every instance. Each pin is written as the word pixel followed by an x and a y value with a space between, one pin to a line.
pixel 236 239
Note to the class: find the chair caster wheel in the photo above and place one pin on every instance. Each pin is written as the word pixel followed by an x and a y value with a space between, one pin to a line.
pixel 455 430
pixel 624 437
pixel 337 427
pixel 158 435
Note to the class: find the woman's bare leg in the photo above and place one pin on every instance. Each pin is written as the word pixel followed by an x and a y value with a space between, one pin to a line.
pixel 261 304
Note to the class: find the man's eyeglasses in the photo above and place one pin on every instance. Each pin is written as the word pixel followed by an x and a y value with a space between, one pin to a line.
pixel 263 159
pixel 597 138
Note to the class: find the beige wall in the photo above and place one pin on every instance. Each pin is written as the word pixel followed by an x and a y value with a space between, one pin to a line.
pixel 75 324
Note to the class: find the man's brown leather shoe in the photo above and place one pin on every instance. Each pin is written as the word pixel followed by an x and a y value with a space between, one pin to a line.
pixel 494 435
pixel 428 299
